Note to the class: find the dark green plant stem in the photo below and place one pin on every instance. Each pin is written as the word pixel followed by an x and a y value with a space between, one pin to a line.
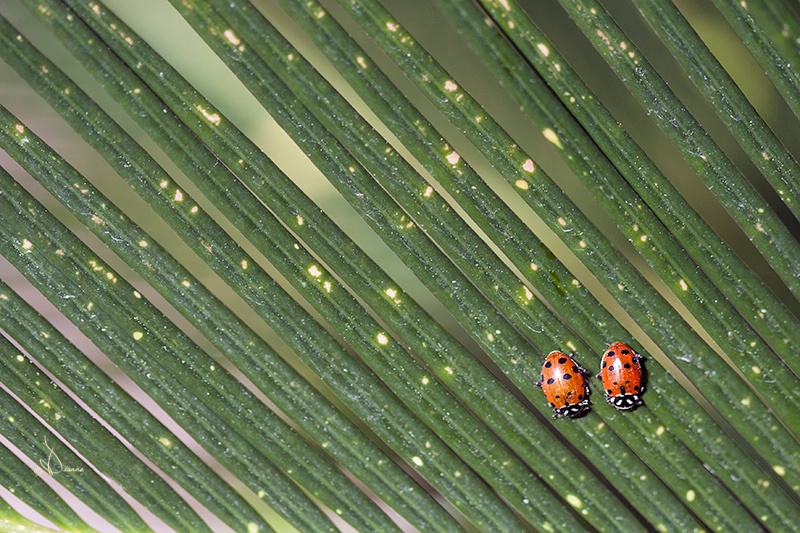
pixel 661 321
pixel 290 320
pixel 33 491
pixel 245 65
pixel 771 32
pixel 159 358
pixel 422 139
pixel 415 376
pixel 537 100
pixel 32 437
pixel 309 225
pixel 328 104
pixel 293 395
pixel 733 339
pixel 730 276
pixel 111 403
pixel 726 182
pixel 780 22
pixel 293 221
pixel 732 107
pixel 77 427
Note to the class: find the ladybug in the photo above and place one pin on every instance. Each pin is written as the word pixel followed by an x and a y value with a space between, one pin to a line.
pixel 621 373
pixel 563 382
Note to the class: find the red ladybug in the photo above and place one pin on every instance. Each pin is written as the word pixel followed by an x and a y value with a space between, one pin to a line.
pixel 563 382
pixel 621 373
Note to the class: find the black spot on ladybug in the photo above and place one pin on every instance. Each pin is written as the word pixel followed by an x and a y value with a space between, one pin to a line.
pixel 548 364
pixel 627 365
pixel 610 354
pixel 562 360
pixel 550 381
pixel 566 376
pixel 625 352
pixel 611 368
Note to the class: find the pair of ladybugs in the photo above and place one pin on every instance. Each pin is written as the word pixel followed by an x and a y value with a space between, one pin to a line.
pixel 564 384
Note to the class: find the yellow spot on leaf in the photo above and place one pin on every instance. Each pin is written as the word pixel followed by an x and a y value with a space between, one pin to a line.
pixel 213 118
pixel 231 37
pixel 529 165
pixel 543 49
pixel 528 293
pixel 574 501
pixel 553 137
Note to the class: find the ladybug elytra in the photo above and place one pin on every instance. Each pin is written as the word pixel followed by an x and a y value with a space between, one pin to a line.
pixel 563 382
pixel 621 374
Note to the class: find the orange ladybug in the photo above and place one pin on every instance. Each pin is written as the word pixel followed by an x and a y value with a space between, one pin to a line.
pixel 621 374
pixel 563 382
